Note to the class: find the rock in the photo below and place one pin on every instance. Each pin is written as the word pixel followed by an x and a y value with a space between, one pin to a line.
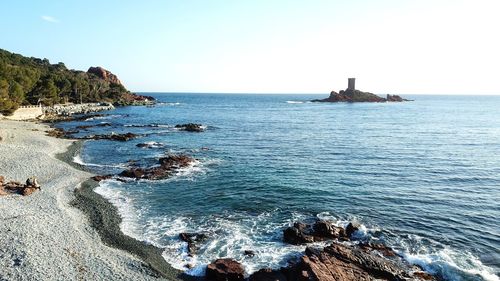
pixel 113 137
pixel 225 270
pixel 32 182
pixel 301 233
pixel 267 274
pixel 168 165
pixel 350 95
pixel 341 262
pixel 395 98
pixel 150 145
pixel 381 248
pixel 192 239
pixel 249 253
pixel 295 236
pixel 351 228
pixel 327 229
pixel 190 127
pixel 84 127
pixel 28 190
pixel 2 179
pixel 101 178
pixel 104 74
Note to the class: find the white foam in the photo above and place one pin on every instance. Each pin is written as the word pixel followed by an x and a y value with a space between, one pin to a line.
pixel 78 160
pixel 294 102
pixel 451 264
pixel 109 189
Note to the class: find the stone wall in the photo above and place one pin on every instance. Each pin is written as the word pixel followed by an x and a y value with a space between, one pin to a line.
pixel 26 113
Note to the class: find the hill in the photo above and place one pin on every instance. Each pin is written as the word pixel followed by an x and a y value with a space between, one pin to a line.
pixel 30 81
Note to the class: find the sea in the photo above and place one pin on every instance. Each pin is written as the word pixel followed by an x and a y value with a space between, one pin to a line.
pixel 423 177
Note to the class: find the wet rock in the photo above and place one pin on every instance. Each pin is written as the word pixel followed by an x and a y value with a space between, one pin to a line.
pixel 192 239
pixel 150 145
pixel 168 165
pixel 339 262
pixel 381 248
pixel 190 127
pixel 60 133
pixel 113 137
pixel 84 127
pixel 301 233
pixel 351 228
pixel 225 270
pixel 101 178
pixel 267 274
pixel 249 253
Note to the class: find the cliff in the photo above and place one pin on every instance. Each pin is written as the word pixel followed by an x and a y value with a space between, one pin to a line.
pixel 32 81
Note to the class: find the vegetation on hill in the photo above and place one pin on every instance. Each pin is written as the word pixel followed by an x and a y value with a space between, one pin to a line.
pixel 25 81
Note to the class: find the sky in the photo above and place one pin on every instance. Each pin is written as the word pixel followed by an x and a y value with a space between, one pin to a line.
pixel 267 46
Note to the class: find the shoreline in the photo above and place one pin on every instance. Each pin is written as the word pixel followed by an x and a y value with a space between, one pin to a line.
pixel 79 229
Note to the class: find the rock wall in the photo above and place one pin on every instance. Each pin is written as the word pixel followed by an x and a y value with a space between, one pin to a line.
pixel 26 113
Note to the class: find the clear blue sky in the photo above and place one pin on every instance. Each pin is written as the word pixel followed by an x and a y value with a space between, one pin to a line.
pixel 398 46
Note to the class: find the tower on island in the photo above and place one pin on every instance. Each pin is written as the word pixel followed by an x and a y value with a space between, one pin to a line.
pixel 351 83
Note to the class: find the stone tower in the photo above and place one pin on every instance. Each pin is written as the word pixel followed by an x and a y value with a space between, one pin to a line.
pixel 351 83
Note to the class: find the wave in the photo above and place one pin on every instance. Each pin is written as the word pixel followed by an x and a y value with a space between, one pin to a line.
pixel 296 102
pixel 148 125
pixel 78 160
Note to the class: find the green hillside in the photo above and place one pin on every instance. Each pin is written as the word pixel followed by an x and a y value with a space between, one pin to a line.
pixel 25 81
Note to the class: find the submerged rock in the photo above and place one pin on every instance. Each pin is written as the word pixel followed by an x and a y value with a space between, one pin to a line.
pixel 225 270
pixel 113 137
pixel 150 145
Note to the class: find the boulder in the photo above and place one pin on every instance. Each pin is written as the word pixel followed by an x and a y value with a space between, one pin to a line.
pixel 225 270
pixel 301 233
pixel 249 253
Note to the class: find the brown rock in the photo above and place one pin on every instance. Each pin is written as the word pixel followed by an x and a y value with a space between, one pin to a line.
pixel 225 270
pixel 28 191
pixel 168 165
pixel 192 239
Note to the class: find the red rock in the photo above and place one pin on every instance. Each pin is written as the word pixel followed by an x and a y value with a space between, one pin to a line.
pixel 225 270
pixel 104 74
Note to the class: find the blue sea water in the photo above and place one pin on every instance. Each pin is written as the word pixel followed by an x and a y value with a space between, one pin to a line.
pixel 421 176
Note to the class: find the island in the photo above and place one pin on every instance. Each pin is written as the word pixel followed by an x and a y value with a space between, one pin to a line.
pixel 353 95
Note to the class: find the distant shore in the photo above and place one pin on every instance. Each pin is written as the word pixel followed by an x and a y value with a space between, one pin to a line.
pixel 44 235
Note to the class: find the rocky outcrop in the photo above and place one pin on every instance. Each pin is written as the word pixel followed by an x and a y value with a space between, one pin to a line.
pixel 31 185
pixel 192 239
pixel 301 233
pixel 168 166
pixel 85 127
pixel 190 127
pixel 350 95
pixel 267 274
pixel 225 270
pixel 104 74
pixel 150 145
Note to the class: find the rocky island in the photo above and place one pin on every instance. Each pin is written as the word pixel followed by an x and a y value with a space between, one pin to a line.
pixel 353 95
